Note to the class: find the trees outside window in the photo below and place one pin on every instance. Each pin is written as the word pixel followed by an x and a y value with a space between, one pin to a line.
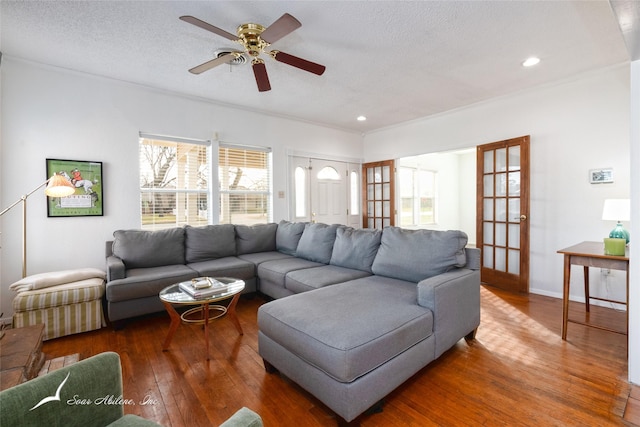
pixel 244 176
pixel 174 183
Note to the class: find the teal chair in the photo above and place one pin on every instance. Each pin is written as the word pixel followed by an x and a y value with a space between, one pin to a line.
pixel 86 393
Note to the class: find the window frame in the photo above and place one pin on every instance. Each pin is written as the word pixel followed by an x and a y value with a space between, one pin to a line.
pixel 206 192
pixel 268 193
pixel 416 198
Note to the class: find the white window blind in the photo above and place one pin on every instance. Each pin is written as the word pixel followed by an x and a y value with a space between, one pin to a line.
pixel 174 182
pixel 244 175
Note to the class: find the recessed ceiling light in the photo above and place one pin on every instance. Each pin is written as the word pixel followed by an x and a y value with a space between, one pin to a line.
pixel 530 62
pixel 361 118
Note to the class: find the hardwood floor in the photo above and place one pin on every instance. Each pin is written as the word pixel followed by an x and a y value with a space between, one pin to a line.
pixel 517 372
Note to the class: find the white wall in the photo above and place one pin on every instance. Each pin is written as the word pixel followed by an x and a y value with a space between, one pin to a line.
pixel 467 193
pixel 634 279
pixel 54 113
pixel 574 126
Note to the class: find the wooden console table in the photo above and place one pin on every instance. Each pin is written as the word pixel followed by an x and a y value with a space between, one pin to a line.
pixel 591 254
pixel 21 356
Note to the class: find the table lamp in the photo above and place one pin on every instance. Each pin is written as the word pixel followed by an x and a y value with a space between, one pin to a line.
pixel 617 210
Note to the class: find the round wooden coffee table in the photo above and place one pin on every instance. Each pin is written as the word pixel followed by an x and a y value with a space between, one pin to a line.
pixel 205 311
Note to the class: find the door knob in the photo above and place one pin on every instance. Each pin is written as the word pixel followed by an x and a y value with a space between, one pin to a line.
pixel 523 217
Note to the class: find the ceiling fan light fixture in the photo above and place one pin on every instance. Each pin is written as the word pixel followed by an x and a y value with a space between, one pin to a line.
pixel 249 38
pixel 531 61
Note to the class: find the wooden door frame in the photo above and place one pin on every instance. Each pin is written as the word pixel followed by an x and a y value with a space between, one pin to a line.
pixel 392 184
pixel 499 278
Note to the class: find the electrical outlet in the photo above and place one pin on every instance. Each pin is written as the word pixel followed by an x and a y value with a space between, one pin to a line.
pixel 605 271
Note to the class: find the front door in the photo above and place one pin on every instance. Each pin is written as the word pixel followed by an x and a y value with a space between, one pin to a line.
pixel 328 191
pixel 321 190
pixel 503 213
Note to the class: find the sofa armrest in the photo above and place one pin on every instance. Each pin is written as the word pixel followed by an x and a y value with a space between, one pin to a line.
pixel 454 299
pixel 244 417
pixel 88 380
pixel 473 258
pixel 115 268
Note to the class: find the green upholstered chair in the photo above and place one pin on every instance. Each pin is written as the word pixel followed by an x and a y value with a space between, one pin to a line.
pixel 86 393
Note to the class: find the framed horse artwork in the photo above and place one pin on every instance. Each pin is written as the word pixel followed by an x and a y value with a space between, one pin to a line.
pixel 86 177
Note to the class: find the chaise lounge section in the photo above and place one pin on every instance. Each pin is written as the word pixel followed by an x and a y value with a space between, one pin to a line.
pixel 352 343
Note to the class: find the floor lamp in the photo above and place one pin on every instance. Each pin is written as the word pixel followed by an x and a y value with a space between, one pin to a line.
pixel 57 186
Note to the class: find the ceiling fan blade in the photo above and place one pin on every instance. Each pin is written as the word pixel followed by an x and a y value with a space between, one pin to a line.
pixel 284 25
pixel 294 61
pixel 198 23
pixel 215 62
pixel 262 79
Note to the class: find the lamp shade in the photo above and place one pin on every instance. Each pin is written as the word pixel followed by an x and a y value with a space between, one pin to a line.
pixel 616 210
pixel 59 186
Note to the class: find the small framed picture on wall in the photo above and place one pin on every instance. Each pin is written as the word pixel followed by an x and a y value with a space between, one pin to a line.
pixel 87 178
pixel 601 176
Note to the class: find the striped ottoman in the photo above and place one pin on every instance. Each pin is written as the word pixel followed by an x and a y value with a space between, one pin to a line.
pixel 64 308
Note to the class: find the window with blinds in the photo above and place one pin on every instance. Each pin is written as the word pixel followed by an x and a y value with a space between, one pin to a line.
pixel 174 182
pixel 417 196
pixel 244 175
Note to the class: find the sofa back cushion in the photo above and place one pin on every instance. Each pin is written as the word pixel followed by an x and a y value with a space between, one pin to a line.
pixel 316 242
pixel 209 242
pixel 355 248
pixel 255 238
pixel 415 255
pixel 288 235
pixel 142 248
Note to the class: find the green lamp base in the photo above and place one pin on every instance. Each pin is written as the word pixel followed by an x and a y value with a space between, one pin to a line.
pixel 619 233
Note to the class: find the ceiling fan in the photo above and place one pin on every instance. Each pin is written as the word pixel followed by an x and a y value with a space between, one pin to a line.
pixel 255 39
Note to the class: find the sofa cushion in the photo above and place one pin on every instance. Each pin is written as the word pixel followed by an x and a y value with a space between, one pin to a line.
pixel 139 248
pixel 55 278
pixel 258 258
pixel 288 235
pixel 415 255
pixel 355 248
pixel 225 267
pixel 256 238
pixel 309 279
pixel 360 330
pixel 316 242
pixel 276 270
pixel 209 242
pixel 147 282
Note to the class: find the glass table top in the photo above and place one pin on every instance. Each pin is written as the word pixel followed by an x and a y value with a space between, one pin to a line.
pixel 175 295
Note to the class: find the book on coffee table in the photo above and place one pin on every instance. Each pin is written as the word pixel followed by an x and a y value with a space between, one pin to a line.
pixel 202 287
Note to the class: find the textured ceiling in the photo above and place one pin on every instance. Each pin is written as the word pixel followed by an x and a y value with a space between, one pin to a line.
pixel 391 61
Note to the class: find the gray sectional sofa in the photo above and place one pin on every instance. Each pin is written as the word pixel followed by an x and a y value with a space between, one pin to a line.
pixel 356 312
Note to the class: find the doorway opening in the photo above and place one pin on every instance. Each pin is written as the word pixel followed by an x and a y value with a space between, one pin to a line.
pixel 438 191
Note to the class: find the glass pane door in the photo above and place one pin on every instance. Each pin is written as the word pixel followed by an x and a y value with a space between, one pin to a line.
pixel 378 192
pixel 503 204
